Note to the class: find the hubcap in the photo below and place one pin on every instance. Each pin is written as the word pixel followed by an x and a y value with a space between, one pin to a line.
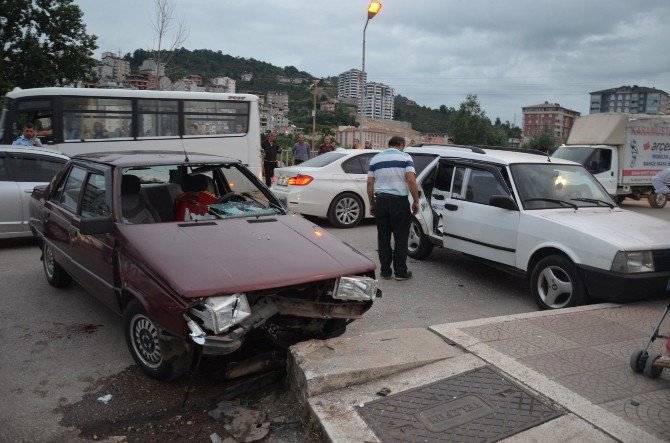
pixel 48 262
pixel 145 341
pixel 554 287
pixel 414 237
pixel 347 210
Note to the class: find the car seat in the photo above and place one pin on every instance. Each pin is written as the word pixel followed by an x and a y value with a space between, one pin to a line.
pixel 134 208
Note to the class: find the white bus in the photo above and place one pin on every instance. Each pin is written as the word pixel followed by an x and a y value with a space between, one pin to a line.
pixel 83 120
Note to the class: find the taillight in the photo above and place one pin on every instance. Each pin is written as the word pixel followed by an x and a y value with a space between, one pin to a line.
pixel 300 180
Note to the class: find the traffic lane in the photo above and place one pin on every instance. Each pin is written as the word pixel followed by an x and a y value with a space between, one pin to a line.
pixel 55 344
pixel 642 206
pixel 445 287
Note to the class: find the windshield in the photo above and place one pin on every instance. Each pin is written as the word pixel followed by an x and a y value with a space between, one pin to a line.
pixel 323 159
pixel 188 192
pixel 548 186
pixel 580 155
pixel 3 117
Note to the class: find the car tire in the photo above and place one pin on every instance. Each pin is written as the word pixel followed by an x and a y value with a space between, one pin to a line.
pixel 418 244
pixel 149 349
pixel 555 283
pixel 55 274
pixel 657 201
pixel 346 210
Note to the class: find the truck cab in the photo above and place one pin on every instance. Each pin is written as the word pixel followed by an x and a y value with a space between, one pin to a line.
pixel 600 160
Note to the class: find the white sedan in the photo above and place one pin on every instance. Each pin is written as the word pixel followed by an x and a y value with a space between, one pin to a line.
pixel 331 185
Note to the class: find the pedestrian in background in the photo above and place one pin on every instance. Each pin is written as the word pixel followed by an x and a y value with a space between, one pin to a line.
pixel 300 150
pixel 29 137
pixel 356 145
pixel 326 146
pixel 660 181
pixel 270 151
pixel 368 144
pixel 391 178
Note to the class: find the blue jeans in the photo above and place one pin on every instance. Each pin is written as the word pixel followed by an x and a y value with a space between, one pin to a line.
pixel 393 215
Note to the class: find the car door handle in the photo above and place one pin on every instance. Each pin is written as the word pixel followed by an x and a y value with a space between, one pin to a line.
pixel 450 207
pixel 361 179
pixel 28 191
pixel 438 197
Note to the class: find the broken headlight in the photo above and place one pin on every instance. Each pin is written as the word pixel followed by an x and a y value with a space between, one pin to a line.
pixel 355 288
pixel 220 313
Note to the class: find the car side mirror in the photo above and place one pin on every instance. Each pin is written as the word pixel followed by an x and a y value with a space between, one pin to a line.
pixel 503 201
pixel 96 225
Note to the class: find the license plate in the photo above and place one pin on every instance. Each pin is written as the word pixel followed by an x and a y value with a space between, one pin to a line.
pixel 282 181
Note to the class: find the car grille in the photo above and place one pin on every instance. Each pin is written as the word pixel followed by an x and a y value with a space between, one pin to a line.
pixel 661 260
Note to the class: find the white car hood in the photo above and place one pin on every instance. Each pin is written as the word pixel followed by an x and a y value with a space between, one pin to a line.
pixel 626 229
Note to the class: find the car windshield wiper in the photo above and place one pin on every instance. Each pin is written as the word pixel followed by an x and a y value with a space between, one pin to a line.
pixel 593 200
pixel 552 200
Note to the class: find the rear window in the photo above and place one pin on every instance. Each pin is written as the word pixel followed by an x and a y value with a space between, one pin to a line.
pixel 421 161
pixel 323 159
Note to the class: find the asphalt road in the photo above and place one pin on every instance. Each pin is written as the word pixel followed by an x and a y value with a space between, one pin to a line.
pixel 61 349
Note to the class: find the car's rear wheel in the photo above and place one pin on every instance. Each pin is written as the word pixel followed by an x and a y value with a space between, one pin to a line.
pixel 346 210
pixel 418 244
pixel 158 358
pixel 555 283
pixel 56 275
pixel 657 200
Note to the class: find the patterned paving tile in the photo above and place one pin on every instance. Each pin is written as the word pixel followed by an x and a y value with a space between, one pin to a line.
pixel 570 322
pixel 504 330
pixel 550 341
pixel 594 386
pixel 551 365
pixel 632 382
pixel 516 347
pixel 586 358
pixel 624 349
pixel 595 335
pixel 649 411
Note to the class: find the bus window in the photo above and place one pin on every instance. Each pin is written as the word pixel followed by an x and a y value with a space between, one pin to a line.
pixel 158 118
pixel 215 117
pixel 37 112
pixel 93 118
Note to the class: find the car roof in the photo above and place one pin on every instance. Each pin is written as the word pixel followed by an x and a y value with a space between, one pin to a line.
pixel 33 150
pixel 350 151
pixel 150 158
pixel 505 156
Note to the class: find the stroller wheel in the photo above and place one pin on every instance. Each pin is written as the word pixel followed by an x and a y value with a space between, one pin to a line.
pixel 650 370
pixel 637 361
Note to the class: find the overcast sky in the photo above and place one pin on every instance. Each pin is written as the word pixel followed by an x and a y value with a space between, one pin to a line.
pixel 511 53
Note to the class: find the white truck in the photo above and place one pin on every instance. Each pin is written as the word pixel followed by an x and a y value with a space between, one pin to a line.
pixel 623 151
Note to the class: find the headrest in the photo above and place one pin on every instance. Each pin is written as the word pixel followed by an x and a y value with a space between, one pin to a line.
pixel 194 183
pixel 130 184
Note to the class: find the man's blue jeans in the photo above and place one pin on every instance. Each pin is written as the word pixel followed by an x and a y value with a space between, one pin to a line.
pixel 393 215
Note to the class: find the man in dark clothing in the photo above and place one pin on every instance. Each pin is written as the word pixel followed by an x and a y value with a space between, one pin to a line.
pixel 270 151
pixel 326 146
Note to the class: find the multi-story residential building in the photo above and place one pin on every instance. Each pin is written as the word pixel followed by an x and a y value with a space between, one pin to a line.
pixel 223 84
pixel 328 106
pixel 630 99
pixel 247 76
pixel 111 67
pixel 137 81
pixel 379 132
pixel 187 84
pixel 548 117
pixel 378 101
pixel 278 100
pixel 349 84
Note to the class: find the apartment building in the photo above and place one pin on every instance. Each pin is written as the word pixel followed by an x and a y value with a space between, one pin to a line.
pixel 278 100
pixel 349 84
pixel 548 116
pixel 378 101
pixel 223 84
pixel 379 132
pixel 630 99
pixel 111 67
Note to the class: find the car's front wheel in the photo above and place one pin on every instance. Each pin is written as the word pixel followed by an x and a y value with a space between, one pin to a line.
pixel 56 275
pixel 158 358
pixel 418 244
pixel 346 210
pixel 555 283
pixel 657 201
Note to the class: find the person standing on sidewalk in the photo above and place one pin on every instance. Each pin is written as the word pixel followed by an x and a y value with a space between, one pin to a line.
pixel 301 150
pixel 270 151
pixel 326 146
pixel 391 178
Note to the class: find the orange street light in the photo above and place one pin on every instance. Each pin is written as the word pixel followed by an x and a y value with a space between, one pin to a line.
pixel 373 9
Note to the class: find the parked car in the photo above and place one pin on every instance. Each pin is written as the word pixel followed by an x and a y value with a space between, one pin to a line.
pixel 331 185
pixel 197 286
pixel 543 218
pixel 21 169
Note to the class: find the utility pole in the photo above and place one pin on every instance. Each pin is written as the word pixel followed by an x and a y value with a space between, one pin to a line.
pixel 314 117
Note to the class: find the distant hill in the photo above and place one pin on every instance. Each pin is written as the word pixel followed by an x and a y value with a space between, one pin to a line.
pixel 422 118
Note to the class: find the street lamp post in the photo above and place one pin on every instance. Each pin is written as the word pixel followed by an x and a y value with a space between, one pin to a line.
pixel 373 9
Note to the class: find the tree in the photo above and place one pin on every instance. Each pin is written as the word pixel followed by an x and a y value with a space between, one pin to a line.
pixel 43 44
pixel 469 125
pixel 169 36
pixel 544 141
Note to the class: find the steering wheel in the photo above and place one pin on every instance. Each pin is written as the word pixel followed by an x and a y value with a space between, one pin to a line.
pixel 227 196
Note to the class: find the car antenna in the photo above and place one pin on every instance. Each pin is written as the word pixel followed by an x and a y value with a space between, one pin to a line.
pixel 184 149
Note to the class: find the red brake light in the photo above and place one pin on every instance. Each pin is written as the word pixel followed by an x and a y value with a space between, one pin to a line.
pixel 300 180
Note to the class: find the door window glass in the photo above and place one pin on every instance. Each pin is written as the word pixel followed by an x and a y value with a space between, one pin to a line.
pixel 482 185
pixel 354 166
pixel 421 161
pixel 443 177
pixel 458 191
pixel 4 170
pixel 72 189
pixel 35 169
pixel 94 202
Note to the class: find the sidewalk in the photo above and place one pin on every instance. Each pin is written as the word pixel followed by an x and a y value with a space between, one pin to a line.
pixel 551 375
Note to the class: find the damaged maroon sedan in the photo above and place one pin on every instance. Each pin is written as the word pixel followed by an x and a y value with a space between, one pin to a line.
pixel 200 280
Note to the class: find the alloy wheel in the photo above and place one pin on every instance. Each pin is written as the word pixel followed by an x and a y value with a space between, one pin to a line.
pixel 554 287
pixel 145 341
pixel 347 210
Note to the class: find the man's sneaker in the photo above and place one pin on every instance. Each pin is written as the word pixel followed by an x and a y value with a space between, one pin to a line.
pixel 386 276
pixel 404 277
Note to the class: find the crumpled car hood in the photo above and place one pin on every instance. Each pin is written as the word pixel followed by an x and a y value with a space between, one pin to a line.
pixel 240 255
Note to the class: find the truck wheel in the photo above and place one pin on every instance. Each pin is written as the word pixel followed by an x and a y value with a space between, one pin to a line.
pixel 657 201
pixel 56 275
pixel 418 245
pixel 158 358
pixel 555 283
pixel 620 199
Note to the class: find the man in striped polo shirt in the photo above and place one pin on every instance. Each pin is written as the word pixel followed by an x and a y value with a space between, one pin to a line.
pixel 391 178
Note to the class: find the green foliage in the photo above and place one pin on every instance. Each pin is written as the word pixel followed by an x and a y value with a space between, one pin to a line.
pixel 423 119
pixel 469 125
pixel 544 141
pixel 43 43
